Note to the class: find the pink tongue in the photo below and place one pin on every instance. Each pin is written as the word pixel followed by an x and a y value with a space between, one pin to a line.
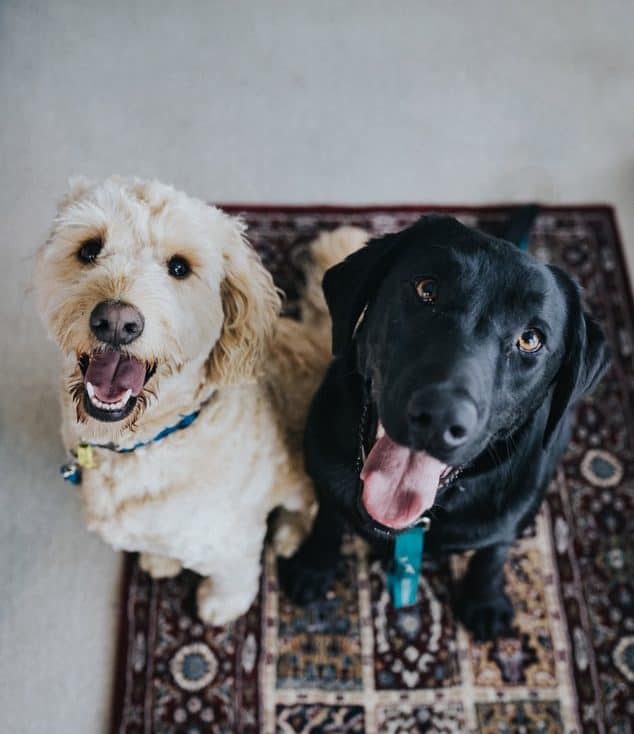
pixel 399 484
pixel 112 373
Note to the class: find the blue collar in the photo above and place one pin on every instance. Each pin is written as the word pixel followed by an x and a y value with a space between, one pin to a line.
pixel 184 422
pixel 82 457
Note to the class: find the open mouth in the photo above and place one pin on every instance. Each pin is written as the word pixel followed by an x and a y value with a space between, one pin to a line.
pixel 400 484
pixel 113 382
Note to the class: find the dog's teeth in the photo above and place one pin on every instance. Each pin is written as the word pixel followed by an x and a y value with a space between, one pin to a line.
pixel 107 406
pixel 380 431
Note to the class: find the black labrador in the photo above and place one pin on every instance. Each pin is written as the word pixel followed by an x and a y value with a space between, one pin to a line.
pixel 458 359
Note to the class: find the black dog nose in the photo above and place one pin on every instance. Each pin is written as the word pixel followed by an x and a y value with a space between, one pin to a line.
pixel 116 323
pixel 442 415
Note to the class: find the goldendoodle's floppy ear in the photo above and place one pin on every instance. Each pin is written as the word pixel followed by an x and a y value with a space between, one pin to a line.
pixel 587 354
pixel 251 305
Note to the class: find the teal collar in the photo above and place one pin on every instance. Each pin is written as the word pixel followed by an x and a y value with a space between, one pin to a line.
pixel 184 422
pixel 82 456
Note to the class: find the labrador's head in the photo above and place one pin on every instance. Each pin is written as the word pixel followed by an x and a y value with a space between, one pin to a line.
pixel 461 338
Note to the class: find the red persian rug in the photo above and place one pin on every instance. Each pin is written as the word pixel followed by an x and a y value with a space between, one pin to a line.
pixel 351 663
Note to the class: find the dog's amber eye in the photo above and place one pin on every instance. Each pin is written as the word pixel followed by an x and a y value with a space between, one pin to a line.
pixel 530 341
pixel 178 267
pixel 89 250
pixel 426 289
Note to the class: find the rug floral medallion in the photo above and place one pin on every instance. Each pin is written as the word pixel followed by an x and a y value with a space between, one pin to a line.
pixel 351 663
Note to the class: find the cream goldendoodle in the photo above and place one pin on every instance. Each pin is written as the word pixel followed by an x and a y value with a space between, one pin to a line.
pixel 184 392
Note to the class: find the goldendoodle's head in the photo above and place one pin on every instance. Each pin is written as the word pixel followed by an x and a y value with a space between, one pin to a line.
pixel 136 282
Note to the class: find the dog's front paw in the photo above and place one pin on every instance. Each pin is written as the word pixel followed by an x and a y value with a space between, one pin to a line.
pixel 486 617
pixel 217 609
pixel 302 582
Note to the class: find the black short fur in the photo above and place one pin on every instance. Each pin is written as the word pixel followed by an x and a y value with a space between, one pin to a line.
pixel 392 349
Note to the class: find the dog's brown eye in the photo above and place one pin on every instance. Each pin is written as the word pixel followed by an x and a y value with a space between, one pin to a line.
pixel 178 267
pixel 530 341
pixel 89 250
pixel 426 289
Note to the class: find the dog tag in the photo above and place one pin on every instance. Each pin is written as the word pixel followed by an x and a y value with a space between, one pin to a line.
pixel 71 472
pixel 85 458
pixel 406 565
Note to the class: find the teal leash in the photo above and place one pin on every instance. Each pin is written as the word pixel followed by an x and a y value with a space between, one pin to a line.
pixel 402 578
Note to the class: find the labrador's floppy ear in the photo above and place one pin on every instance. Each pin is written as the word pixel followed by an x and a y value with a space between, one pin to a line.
pixel 586 358
pixel 349 285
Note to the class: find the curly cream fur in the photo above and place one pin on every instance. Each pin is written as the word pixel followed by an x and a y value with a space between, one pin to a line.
pixel 250 305
pixel 200 498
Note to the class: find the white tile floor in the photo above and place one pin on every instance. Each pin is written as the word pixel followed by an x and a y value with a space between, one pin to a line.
pixel 283 101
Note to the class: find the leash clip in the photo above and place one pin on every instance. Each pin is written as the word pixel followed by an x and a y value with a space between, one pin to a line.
pixel 423 522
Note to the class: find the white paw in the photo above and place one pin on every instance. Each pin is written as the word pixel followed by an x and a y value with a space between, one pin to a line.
pixel 159 567
pixel 216 608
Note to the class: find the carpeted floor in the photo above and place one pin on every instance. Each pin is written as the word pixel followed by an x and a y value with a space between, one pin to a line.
pixel 351 663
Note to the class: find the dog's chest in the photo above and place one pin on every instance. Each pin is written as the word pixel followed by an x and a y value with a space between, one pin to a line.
pixel 185 483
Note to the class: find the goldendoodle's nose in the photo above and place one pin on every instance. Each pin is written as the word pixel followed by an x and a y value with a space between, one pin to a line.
pixel 116 323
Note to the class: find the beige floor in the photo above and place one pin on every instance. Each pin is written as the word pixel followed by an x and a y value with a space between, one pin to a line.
pixel 282 101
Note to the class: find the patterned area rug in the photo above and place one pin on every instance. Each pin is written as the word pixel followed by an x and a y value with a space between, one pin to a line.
pixel 351 663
